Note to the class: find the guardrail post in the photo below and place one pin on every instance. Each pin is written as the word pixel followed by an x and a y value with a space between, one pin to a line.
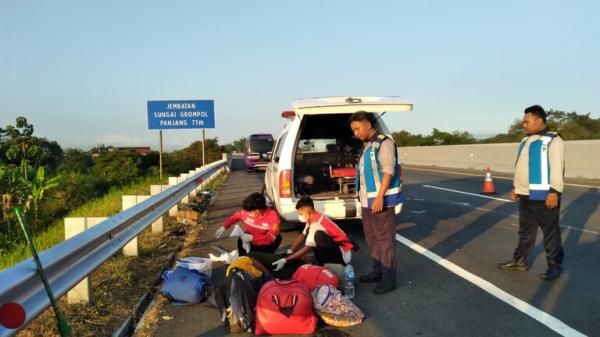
pixel 157 225
pixel 131 248
pixel 210 177
pixel 183 177
pixel 193 192
pixel 82 291
pixel 203 184
pixel 199 187
pixel 172 182
pixel 226 157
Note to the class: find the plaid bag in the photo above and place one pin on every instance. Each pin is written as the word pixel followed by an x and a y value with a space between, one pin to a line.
pixel 334 308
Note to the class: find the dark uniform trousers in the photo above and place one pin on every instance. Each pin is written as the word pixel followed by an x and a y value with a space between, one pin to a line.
pixel 533 213
pixel 380 234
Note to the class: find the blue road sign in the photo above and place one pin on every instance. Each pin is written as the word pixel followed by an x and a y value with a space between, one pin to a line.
pixel 197 114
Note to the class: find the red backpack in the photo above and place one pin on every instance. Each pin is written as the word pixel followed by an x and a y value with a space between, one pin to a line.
pixel 284 307
pixel 314 276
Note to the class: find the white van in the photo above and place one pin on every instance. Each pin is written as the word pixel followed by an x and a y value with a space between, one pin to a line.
pixel 316 154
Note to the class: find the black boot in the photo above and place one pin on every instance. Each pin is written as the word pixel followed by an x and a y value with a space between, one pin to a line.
pixel 388 281
pixel 374 276
pixel 518 264
pixel 551 273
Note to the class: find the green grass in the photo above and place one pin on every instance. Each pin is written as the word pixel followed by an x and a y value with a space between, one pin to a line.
pixel 107 205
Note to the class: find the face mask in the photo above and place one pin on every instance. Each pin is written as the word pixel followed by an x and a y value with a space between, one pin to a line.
pixel 302 218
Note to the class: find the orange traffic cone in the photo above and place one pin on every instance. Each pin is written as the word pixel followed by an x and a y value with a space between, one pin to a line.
pixel 488 183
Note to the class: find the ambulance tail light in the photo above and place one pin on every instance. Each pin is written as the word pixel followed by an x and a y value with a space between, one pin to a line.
pixel 285 184
pixel 288 114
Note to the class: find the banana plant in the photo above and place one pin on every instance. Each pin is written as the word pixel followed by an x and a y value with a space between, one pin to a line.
pixel 13 192
pixel 38 186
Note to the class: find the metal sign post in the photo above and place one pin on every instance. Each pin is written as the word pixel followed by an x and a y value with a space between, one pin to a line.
pixel 160 164
pixel 203 141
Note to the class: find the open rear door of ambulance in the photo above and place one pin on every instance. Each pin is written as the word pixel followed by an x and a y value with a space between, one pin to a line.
pixel 329 105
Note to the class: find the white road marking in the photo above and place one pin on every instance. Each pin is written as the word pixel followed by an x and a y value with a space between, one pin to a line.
pixel 467 193
pixel 543 317
pixel 580 229
pixel 466 204
pixel 495 176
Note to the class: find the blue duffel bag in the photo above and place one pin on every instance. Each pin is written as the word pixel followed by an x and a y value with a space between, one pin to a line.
pixel 184 286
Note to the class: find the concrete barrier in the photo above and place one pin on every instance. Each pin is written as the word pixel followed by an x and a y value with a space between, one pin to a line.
pixel 172 182
pixel 82 292
pixel 194 192
pixel 183 177
pixel 128 201
pixel 157 225
pixel 582 157
pixel 201 185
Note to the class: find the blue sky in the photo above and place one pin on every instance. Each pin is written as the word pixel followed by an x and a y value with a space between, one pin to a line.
pixel 82 71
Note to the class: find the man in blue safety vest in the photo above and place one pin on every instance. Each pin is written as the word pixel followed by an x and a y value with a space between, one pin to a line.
pixel 538 185
pixel 380 193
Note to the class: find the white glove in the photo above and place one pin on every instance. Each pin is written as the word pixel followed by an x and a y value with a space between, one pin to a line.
pixel 237 231
pixel 290 251
pixel 279 264
pixel 246 237
pixel 347 256
pixel 219 232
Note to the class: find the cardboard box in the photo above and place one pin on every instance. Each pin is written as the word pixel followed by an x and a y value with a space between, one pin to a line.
pixel 188 215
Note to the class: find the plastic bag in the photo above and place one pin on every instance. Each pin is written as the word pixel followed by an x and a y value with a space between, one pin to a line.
pixel 238 231
pixel 200 264
pixel 184 286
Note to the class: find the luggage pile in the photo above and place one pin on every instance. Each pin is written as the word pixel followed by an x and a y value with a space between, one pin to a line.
pixel 253 298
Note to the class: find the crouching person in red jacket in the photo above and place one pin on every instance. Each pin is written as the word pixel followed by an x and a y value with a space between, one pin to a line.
pixel 261 225
pixel 328 242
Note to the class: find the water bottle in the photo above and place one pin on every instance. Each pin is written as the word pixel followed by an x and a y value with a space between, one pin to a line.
pixel 349 281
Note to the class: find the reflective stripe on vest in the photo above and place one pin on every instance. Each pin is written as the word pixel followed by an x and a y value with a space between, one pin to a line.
pixel 539 165
pixel 373 175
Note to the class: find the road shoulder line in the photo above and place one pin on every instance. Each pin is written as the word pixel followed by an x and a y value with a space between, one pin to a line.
pixel 543 317
pixel 467 193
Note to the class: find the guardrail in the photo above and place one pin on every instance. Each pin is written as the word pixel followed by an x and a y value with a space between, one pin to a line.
pixel 72 260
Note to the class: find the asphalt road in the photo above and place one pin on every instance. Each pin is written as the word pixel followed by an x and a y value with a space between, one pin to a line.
pixel 448 283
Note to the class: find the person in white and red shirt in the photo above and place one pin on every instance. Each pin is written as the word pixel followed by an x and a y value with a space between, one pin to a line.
pixel 321 235
pixel 261 225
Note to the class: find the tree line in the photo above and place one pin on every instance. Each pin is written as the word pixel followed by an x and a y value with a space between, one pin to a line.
pixel 47 181
pixel 571 125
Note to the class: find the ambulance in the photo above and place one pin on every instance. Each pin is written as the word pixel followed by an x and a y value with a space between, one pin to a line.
pixel 316 154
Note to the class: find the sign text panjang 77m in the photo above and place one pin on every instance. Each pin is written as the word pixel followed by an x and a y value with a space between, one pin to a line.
pixel 194 114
